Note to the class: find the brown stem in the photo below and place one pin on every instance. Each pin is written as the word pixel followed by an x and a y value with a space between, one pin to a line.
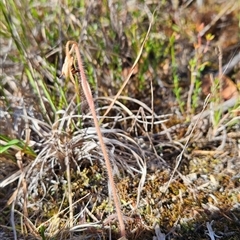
pixel 88 95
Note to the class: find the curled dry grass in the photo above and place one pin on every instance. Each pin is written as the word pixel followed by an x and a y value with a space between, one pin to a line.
pixel 46 194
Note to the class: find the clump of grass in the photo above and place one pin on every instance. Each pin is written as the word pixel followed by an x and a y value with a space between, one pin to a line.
pixel 64 150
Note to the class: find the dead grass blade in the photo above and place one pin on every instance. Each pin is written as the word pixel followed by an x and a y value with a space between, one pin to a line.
pixel 131 71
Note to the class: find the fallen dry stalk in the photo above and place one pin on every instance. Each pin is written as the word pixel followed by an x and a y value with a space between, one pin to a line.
pixel 66 70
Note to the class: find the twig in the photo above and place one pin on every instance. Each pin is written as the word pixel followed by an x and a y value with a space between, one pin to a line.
pixel 67 163
pixel 232 63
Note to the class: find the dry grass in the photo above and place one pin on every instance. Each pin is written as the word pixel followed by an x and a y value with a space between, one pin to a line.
pixel 176 167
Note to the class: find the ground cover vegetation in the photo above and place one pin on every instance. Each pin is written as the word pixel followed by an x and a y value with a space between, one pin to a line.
pixel 146 145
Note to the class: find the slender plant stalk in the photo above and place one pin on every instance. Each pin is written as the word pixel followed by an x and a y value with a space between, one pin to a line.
pixel 68 171
pixel 66 70
pixel 131 71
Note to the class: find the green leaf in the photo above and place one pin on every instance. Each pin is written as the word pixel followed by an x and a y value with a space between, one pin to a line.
pixel 11 143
